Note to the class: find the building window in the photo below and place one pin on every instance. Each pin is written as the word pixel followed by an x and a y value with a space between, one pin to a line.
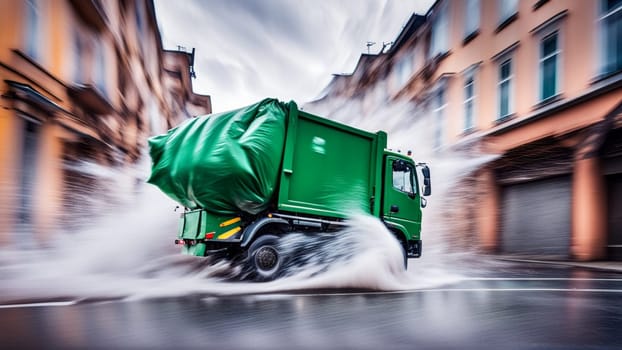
pixel 471 19
pixel 549 66
pixel 438 40
pixel 78 67
pixel 469 101
pixel 141 26
pixel 505 89
pixel 507 9
pixel 140 22
pixel 404 70
pixel 29 169
pixel 439 115
pixel 33 29
pixel 539 3
pixel 155 119
pixel 99 66
pixel 611 31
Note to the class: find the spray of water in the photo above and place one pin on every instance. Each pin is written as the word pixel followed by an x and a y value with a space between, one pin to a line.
pixel 448 239
pixel 128 252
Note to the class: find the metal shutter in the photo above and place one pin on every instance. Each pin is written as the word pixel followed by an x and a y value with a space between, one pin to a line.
pixel 536 218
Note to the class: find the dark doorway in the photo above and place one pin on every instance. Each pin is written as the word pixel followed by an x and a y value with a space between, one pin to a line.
pixel 27 178
pixel 614 217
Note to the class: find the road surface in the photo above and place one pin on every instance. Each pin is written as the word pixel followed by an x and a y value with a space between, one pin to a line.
pixel 526 307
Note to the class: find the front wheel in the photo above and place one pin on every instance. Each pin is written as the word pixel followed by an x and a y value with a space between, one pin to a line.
pixel 405 254
pixel 264 258
pixel 402 244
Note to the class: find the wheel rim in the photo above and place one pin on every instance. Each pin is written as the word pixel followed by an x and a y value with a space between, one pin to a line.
pixel 266 259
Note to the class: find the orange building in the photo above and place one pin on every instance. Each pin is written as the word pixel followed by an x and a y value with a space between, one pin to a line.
pixel 81 82
pixel 538 82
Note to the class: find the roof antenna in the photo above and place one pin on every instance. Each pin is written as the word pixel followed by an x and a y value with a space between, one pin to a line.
pixel 370 44
pixel 384 46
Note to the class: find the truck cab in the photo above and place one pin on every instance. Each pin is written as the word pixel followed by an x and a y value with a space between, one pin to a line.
pixel 402 199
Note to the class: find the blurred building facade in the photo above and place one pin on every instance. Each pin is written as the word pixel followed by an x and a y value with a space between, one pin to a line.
pixel 537 82
pixel 81 82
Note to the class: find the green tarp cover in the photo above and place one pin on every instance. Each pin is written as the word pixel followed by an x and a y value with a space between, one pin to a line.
pixel 224 163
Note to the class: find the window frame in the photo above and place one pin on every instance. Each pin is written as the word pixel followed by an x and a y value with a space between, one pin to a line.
pixel 603 15
pixel 438 111
pixel 511 83
pixel 504 16
pixel 100 66
pixel 470 74
pixel 142 24
pixel 406 60
pixel 79 49
pixel 558 64
pixel 439 20
pixel 469 4
pixel 33 29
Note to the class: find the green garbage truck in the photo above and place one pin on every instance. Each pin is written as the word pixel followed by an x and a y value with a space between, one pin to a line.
pixel 248 177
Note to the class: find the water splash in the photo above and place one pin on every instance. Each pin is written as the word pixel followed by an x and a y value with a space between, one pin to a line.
pixel 410 125
pixel 128 252
pixel 126 255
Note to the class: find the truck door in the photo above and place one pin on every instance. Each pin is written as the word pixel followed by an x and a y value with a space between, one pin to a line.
pixel 402 201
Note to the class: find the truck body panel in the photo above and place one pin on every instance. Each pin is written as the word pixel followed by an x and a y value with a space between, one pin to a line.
pixel 201 224
pixel 329 169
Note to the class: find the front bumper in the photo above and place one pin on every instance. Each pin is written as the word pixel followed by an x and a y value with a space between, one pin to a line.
pixel 414 248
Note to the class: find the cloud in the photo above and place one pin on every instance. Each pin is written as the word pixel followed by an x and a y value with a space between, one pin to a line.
pixel 248 50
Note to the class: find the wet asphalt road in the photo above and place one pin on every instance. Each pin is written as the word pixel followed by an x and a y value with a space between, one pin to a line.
pixel 527 307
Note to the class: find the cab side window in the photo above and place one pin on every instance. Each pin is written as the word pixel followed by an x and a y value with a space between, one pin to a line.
pixel 403 177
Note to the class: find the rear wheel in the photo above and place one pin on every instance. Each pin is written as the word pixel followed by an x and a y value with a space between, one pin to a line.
pixel 264 258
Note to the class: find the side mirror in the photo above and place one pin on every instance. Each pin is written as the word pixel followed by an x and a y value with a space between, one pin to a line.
pixel 427 187
pixel 425 170
pixel 424 202
pixel 427 183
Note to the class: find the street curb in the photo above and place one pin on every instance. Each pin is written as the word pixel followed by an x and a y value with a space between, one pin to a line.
pixel 602 266
pixel 62 301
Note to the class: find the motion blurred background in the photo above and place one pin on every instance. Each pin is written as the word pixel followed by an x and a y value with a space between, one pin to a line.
pixel 517 102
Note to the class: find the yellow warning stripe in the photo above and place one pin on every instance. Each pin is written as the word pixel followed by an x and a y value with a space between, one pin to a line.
pixel 229 222
pixel 230 233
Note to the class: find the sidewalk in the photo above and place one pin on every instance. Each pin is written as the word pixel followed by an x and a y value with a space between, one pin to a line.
pixel 613 266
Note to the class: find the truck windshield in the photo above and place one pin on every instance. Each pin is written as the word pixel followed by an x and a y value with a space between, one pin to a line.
pixel 403 179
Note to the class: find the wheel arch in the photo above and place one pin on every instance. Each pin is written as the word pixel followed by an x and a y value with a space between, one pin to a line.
pixel 398 232
pixel 258 227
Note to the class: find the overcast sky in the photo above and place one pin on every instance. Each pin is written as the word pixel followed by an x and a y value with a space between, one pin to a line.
pixel 251 49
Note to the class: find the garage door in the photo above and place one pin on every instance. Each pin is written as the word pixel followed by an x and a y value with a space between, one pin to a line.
pixel 536 218
pixel 614 241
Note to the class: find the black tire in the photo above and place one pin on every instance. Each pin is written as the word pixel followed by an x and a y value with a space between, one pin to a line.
pixel 264 258
pixel 402 244
pixel 405 255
